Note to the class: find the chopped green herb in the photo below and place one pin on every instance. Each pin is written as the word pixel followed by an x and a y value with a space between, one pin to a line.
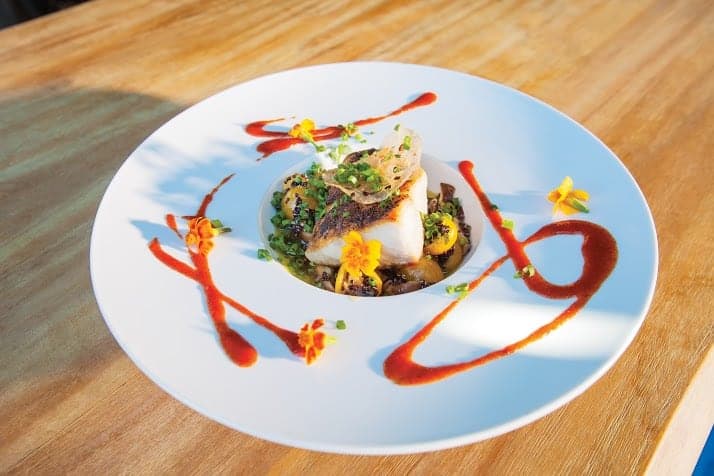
pixel 507 224
pixel 216 224
pixel 264 254
pixel 287 243
pixel 449 207
pixel 356 173
pixel 396 128
pixel 341 325
pixel 407 144
pixel 493 206
pixel 578 205
pixel 277 199
pixel 433 225
pixel 334 155
pixel 459 289
pixel 307 137
pixel 351 128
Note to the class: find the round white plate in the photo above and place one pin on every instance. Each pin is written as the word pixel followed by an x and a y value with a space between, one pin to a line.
pixel 343 403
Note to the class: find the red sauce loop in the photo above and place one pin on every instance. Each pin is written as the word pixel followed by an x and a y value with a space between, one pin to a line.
pixel 599 250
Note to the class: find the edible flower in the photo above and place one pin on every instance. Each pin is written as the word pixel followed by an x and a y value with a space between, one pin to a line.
pixel 313 340
pixel 359 258
pixel 201 231
pixel 567 200
pixel 303 130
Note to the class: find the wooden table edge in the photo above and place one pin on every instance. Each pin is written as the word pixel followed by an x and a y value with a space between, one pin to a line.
pixel 688 427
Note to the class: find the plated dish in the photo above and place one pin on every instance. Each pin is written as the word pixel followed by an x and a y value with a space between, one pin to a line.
pixel 187 269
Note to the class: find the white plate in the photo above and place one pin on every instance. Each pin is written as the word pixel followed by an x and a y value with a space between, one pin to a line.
pixel 343 403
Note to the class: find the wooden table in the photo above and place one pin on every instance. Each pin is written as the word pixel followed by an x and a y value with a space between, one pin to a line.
pixel 80 89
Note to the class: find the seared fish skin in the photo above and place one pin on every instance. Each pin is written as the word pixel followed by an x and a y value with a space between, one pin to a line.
pixel 395 223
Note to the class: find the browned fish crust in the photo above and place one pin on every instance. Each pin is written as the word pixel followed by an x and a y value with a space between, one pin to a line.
pixel 344 215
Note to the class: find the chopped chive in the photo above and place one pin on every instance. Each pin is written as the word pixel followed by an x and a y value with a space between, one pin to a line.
pixel 407 144
pixel 493 206
pixel 216 224
pixel 341 325
pixel 459 289
pixel 264 254
pixel 578 205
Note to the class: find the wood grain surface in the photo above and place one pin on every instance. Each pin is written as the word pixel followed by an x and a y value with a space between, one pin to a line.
pixel 80 89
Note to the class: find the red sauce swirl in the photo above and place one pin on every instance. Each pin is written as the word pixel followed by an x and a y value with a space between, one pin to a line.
pixel 238 349
pixel 279 140
pixel 599 251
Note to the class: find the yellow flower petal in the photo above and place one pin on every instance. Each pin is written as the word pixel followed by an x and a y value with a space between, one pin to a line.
pixel 340 279
pixel 307 125
pixel 304 128
pixel 353 239
pixel 553 195
pixel 374 249
pixel 581 195
pixel 358 259
pixel 565 187
pixel 563 196
pixel 567 209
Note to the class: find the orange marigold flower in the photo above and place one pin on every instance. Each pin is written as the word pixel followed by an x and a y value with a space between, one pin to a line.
pixel 567 200
pixel 204 246
pixel 201 231
pixel 313 340
pixel 191 238
pixel 205 228
pixel 359 258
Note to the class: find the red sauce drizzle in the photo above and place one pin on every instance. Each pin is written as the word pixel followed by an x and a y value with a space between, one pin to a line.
pixel 171 223
pixel 599 252
pixel 238 349
pixel 282 140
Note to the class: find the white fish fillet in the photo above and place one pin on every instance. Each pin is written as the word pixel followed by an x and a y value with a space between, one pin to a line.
pixel 398 228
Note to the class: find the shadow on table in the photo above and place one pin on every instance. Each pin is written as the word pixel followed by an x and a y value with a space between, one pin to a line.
pixel 60 148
